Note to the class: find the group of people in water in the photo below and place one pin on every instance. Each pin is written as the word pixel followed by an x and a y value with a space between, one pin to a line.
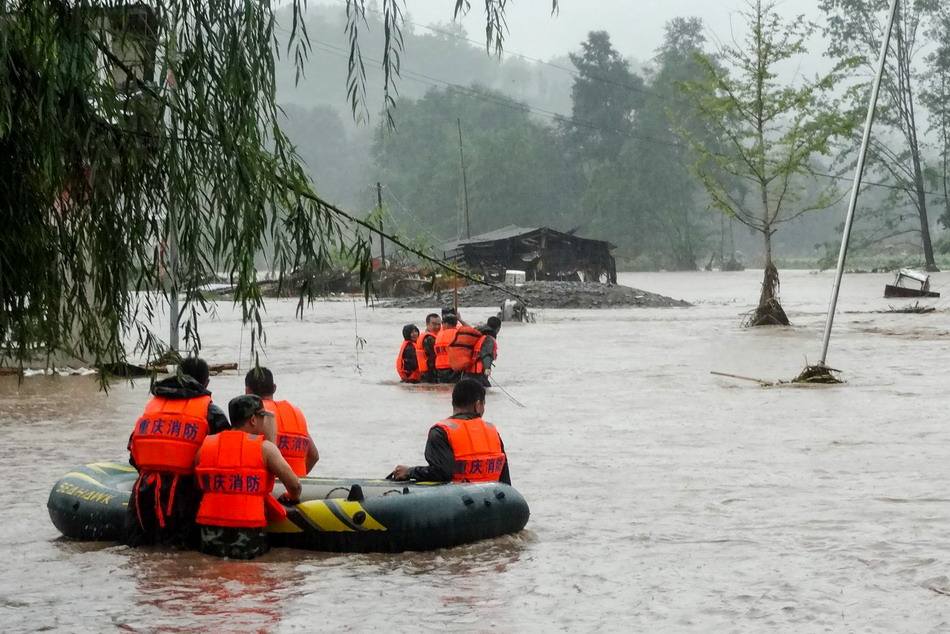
pixel 448 350
pixel 205 480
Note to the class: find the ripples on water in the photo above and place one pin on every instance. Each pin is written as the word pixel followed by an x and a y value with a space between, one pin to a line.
pixel 662 498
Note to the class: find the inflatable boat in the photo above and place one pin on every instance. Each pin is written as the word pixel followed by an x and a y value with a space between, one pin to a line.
pixel 343 515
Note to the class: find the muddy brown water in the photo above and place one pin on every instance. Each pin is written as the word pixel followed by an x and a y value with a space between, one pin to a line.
pixel 662 498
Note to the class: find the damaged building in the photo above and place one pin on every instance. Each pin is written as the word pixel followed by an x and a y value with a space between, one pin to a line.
pixel 541 252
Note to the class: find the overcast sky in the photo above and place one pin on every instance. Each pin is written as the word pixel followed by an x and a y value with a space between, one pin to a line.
pixel 635 26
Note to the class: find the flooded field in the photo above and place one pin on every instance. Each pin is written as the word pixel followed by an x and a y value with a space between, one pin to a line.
pixel 663 498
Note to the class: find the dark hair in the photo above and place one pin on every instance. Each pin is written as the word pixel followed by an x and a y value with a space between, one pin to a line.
pixel 407 331
pixel 447 310
pixel 494 323
pixel 467 392
pixel 430 317
pixel 242 408
pixel 196 368
pixel 450 320
pixel 260 381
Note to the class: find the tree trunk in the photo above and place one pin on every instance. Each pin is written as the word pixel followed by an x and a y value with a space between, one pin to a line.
pixel 910 122
pixel 769 283
pixel 770 311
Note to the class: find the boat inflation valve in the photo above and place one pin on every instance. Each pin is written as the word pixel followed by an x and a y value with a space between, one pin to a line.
pixel 499 495
pixel 359 517
pixel 468 500
pixel 356 494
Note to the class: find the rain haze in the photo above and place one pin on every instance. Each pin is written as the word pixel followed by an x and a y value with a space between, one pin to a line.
pixel 575 337
pixel 635 26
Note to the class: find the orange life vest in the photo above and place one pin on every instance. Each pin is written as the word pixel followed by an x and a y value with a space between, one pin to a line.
pixel 235 481
pixel 405 375
pixel 168 434
pixel 442 342
pixel 462 348
pixel 421 359
pixel 477 366
pixel 477 449
pixel 165 439
pixel 293 435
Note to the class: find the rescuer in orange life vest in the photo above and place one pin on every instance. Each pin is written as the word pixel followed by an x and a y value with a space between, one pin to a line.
pixel 425 349
pixel 462 448
pixel 163 445
pixel 485 352
pixel 407 362
pixel 293 436
pixel 235 470
pixel 443 369
pixel 454 348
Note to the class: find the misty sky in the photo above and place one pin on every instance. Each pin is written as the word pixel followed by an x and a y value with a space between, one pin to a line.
pixel 635 26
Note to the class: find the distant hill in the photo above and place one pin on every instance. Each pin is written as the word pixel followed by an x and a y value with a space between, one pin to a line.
pixel 432 57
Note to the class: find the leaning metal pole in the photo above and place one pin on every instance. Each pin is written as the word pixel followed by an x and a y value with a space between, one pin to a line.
pixel 856 186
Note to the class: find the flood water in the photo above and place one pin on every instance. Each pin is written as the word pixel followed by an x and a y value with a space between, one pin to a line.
pixel 663 498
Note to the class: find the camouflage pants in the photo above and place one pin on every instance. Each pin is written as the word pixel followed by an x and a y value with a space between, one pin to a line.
pixel 233 543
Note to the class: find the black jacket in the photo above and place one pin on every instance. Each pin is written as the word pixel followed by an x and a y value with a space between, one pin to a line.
pixel 441 458
pixel 428 345
pixel 187 387
pixel 409 361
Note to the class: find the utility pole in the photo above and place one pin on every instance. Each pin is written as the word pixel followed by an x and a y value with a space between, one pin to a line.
pixel 382 241
pixel 856 186
pixel 468 225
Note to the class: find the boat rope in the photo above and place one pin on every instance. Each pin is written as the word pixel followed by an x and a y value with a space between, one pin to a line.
pixel 511 398
pixel 331 491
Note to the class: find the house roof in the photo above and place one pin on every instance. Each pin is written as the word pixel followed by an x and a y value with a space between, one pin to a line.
pixel 508 232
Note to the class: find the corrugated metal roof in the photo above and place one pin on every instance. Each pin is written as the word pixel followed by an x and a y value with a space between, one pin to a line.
pixel 498 234
pixel 505 233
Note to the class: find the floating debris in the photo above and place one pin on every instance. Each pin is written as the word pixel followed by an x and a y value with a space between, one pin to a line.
pixel 818 374
pixel 916 309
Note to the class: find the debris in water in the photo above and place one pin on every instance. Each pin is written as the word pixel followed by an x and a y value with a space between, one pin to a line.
pixel 818 374
pixel 915 309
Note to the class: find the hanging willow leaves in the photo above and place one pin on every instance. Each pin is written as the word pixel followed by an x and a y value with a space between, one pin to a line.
pixel 124 125
pixel 393 13
pixel 117 118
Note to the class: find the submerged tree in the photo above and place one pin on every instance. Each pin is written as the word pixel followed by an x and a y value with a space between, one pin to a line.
pixel 855 30
pixel 140 149
pixel 771 131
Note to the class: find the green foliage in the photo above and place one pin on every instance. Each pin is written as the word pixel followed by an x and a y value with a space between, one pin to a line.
pixel 855 30
pixel 648 194
pixel 335 155
pixel 770 132
pixel 936 96
pixel 393 14
pixel 102 161
pixel 514 165
pixel 605 95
